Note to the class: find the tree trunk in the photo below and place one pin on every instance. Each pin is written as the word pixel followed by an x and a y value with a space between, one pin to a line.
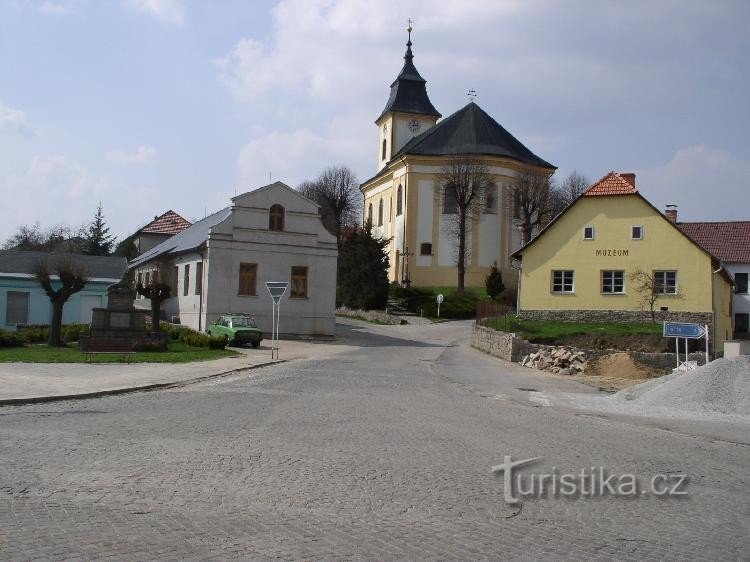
pixel 55 329
pixel 461 249
pixel 155 315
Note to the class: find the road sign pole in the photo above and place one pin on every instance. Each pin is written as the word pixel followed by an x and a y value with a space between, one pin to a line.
pixel 706 327
pixel 687 356
pixel 677 350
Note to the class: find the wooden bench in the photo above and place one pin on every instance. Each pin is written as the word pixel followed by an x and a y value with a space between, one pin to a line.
pixel 91 347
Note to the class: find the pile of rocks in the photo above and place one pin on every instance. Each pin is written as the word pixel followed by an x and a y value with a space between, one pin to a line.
pixel 558 360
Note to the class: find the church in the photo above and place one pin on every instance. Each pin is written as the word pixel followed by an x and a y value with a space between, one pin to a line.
pixel 403 203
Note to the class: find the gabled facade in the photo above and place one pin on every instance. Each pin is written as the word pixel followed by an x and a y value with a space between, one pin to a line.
pixel 220 264
pixel 403 200
pixel 158 230
pixel 730 242
pixel 580 266
pixel 23 301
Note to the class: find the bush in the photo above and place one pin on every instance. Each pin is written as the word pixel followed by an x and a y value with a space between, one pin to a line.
pixel 494 282
pixel 456 305
pixel 508 297
pixel 71 332
pixel 10 339
pixel 40 333
pixel 196 339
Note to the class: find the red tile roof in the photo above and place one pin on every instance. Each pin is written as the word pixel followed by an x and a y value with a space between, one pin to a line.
pixel 612 184
pixel 168 223
pixel 728 241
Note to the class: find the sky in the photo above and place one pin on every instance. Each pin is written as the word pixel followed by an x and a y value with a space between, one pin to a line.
pixel 150 105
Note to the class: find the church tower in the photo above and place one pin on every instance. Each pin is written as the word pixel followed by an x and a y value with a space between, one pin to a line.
pixel 408 111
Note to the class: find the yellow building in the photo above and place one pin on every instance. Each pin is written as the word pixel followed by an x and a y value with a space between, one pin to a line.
pixel 585 264
pixel 403 200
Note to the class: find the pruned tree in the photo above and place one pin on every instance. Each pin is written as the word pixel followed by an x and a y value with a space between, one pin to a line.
pixel 337 192
pixel 363 272
pixel 98 240
pixel 71 278
pixel 157 291
pixel 531 202
pixel 127 248
pixel 649 289
pixel 463 184
pixel 566 192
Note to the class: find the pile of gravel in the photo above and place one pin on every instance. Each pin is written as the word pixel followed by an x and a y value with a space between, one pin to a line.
pixel 720 387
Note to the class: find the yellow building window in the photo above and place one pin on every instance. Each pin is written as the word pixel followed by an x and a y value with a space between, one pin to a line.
pixel 562 281
pixel 636 232
pixel 299 282
pixel 613 282
pixel 665 282
pixel 248 279
pixel 588 232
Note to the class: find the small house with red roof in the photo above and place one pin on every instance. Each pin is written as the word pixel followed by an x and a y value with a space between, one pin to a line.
pixel 158 230
pixel 590 262
pixel 730 242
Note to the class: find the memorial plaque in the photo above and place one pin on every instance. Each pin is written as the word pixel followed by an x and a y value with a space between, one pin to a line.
pixel 119 319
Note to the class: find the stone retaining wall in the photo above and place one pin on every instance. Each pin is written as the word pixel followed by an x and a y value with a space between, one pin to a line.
pixel 505 345
pixel 617 316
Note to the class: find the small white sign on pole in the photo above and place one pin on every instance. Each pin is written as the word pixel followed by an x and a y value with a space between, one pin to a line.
pixel 276 289
pixel 440 299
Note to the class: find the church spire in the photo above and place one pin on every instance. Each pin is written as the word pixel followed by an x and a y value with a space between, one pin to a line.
pixel 409 91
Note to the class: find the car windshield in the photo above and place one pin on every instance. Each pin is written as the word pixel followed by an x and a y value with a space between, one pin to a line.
pixel 243 322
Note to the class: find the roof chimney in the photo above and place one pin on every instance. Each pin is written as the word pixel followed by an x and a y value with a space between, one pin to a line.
pixel 671 213
pixel 628 177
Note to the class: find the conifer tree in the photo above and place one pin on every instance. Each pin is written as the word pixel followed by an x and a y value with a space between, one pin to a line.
pixel 363 271
pixel 98 241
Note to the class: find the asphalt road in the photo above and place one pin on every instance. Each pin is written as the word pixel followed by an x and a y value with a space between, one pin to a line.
pixel 381 451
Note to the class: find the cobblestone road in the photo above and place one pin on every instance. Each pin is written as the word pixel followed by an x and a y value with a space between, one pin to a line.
pixel 380 452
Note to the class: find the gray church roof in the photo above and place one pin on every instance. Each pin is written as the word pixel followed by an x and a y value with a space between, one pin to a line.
pixel 409 90
pixel 189 239
pixel 97 267
pixel 470 130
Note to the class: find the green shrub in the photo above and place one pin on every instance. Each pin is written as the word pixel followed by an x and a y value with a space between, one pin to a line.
pixel 70 332
pixel 196 339
pixel 34 334
pixel 494 282
pixel 424 299
pixel 10 339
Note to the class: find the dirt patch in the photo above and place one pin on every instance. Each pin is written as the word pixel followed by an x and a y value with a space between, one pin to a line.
pixel 616 372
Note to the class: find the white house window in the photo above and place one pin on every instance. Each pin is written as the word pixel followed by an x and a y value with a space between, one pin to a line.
pixel 588 232
pixel 17 308
pixel 248 279
pixel 276 218
pixel 613 282
pixel 186 281
pixel 636 232
pixel 741 322
pixel 199 278
pixel 299 282
pixel 562 281
pixel 665 282
pixel 740 283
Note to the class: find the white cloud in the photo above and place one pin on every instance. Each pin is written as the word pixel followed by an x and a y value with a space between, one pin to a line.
pixel 707 184
pixel 141 156
pixel 53 8
pixel 13 120
pixel 169 11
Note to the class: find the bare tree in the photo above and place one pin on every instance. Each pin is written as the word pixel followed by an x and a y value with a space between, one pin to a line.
pixel 72 277
pixel 531 202
pixel 566 192
pixel 462 186
pixel 649 288
pixel 58 238
pixel 158 290
pixel 336 190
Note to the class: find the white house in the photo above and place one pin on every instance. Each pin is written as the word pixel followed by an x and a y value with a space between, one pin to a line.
pixel 730 242
pixel 221 264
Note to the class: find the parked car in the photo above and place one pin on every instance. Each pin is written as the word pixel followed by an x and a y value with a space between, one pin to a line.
pixel 239 328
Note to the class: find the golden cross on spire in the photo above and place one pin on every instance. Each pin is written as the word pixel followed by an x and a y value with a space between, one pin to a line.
pixel 409 28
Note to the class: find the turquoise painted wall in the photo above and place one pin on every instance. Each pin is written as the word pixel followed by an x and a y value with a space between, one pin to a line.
pixel 40 309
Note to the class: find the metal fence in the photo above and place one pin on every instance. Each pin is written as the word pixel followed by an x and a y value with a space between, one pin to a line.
pixel 495 314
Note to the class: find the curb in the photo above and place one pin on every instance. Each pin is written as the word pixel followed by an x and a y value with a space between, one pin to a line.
pixel 130 389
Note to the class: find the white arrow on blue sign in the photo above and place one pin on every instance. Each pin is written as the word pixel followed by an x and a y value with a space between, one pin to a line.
pixel 683 330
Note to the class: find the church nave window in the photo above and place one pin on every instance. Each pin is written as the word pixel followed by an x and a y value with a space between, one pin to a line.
pixel 399 204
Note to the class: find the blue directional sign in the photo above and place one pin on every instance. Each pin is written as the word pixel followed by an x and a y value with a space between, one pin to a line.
pixel 683 330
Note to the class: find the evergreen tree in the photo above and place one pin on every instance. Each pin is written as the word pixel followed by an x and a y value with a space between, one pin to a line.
pixel 494 282
pixel 363 271
pixel 98 241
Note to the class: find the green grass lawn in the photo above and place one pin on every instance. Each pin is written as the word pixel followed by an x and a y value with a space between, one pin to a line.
pixel 177 352
pixel 550 329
